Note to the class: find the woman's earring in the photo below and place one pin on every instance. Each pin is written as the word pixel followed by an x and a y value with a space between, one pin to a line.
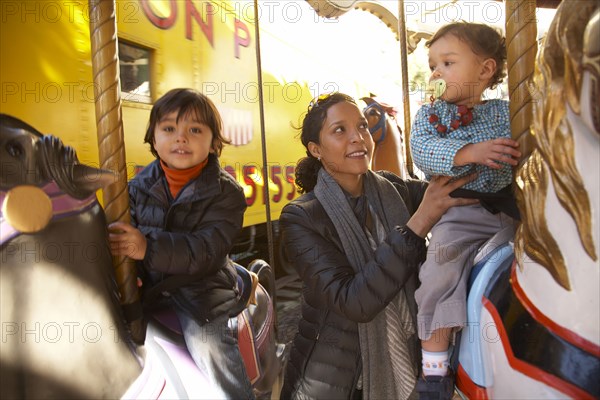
pixel 319 158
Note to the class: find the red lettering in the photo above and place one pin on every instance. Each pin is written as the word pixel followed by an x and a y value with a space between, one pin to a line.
pixel 249 172
pixel 240 40
pixel 206 26
pixel 275 172
pixel 160 22
pixel 289 176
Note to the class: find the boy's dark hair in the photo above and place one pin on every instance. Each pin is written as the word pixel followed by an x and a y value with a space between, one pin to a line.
pixel 308 167
pixel 484 41
pixel 187 101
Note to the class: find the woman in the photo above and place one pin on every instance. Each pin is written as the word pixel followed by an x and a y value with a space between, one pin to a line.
pixel 356 239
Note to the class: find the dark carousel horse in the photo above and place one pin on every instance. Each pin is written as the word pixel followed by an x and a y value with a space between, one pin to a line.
pixel 63 330
pixel 390 148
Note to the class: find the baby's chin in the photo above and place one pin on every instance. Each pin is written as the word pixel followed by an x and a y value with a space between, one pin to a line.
pixel 452 99
pixel 447 98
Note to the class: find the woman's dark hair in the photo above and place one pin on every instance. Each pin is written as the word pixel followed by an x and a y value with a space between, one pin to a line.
pixel 308 167
pixel 484 41
pixel 187 101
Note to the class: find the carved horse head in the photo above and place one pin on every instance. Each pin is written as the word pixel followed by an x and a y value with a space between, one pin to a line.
pixel 389 153
pixel 557 243
pixel 30 158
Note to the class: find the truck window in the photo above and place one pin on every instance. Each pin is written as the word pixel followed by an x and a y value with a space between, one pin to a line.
pixel 134 65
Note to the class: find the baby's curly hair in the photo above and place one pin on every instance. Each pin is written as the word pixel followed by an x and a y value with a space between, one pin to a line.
pixel 484 41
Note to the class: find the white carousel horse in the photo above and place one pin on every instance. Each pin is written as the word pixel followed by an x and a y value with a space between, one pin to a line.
pixel 534 325
pixel 63 330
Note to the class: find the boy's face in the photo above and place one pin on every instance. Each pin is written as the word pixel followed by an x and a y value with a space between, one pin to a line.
pixel 452 60
pixel 182 144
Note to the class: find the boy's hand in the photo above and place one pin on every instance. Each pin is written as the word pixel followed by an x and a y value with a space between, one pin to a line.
pixel 125 240
pixel 489 153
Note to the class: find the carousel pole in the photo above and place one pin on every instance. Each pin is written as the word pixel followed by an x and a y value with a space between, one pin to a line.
pixel 105 67
pixel 404 74
pixel 521 46
pixel 263 136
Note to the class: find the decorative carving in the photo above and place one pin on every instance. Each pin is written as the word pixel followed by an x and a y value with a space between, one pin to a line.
pixel 391 21
pixel 591 62
pixel 27 208
pixel 567 50
pixel 331 8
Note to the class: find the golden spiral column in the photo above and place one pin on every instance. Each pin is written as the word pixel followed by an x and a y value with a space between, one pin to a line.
pixel 111 147
pixel 521 46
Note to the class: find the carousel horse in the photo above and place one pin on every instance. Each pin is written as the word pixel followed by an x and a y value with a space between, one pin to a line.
pixel 63 330
pixel 390 150
pixel 533 311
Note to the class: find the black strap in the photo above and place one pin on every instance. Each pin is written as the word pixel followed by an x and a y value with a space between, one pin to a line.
pixel 501 201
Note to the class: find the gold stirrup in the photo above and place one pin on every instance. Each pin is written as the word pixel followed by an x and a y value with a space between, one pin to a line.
pixel 252 298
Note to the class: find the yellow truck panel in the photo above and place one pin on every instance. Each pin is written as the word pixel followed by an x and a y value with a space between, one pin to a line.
pixel 46 80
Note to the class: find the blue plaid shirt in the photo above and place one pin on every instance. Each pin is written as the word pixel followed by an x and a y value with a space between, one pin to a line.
pixel 433 153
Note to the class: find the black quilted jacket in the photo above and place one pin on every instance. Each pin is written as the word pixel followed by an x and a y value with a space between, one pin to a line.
pixel 189 238
pixel 325 360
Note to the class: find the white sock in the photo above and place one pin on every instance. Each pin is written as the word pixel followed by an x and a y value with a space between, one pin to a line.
pixel 435 363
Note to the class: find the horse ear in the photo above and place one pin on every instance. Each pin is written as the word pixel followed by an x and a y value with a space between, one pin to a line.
pixel 91 179
pixel 368 100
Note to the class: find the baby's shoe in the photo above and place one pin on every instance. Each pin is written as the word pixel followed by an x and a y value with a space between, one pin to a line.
pixel 435 387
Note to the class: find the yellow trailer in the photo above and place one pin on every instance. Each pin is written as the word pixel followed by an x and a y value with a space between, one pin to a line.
pixel 46 80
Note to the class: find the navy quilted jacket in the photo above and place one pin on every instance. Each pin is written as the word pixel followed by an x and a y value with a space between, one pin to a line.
pixel 189 237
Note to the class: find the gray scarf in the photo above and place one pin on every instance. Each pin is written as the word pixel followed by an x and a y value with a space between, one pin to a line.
pixel 389 370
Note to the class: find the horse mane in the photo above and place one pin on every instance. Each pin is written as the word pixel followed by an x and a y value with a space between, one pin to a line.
pixel 558 82
pixel 59 162
pixel 11 122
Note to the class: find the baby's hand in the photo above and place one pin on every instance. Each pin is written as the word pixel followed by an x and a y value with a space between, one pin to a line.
pixel 125 240
pixel 489 153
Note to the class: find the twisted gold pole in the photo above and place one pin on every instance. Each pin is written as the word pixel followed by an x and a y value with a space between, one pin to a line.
pixel 521 46
pixel 404 77
pixel 105 67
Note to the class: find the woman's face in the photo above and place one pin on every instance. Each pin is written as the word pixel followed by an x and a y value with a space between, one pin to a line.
pixel 346 146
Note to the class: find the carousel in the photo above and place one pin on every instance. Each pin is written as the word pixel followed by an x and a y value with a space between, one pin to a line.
pixel 72 322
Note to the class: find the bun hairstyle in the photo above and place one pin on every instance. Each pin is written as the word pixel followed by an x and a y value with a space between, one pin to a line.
pixel 308 167
pixel 484 41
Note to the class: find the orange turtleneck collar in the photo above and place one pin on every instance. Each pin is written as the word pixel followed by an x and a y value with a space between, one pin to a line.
pixel 178 178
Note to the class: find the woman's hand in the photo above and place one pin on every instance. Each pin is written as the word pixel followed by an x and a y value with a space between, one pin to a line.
pixel 489 153
pixel 125 240
pixel 437 201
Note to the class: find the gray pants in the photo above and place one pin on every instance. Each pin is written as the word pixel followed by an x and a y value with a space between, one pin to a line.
pixel 455 239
